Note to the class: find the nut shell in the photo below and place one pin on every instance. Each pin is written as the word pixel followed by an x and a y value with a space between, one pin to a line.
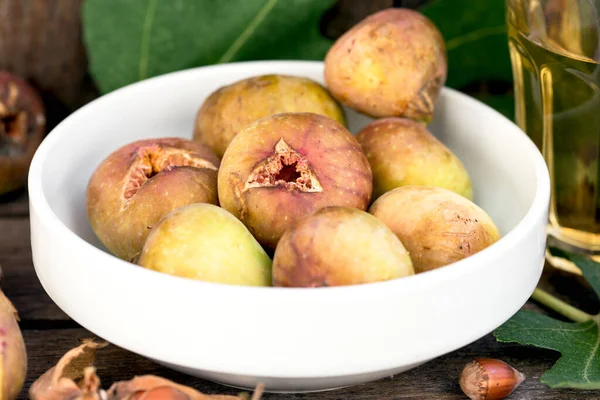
pixel 331 167
pixel 489 379
pixel 392 63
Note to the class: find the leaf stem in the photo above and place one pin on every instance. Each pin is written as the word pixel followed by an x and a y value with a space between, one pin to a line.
pixel 564 309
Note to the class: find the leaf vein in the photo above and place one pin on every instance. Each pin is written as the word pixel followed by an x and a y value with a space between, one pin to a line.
pixel 592 354
pixel 145 42
pixel 250 29
pixel 552 329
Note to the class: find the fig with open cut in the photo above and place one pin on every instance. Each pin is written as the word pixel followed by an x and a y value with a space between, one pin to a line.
pixel 141 182
pixel 283 167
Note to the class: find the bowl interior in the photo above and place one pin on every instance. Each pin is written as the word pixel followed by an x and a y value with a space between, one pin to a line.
pixel 502 169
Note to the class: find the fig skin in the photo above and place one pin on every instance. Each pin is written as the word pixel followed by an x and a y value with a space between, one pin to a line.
pixel 13 353
pixel 403 152
pixel 22 128
pixel 233 107
pixel 252 182
pixel 339 246
pixel 141 182
pixel 205 242
pixel 391 64
pixel 437 226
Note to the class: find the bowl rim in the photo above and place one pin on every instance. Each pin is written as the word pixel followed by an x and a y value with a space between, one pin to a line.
pixel 52 223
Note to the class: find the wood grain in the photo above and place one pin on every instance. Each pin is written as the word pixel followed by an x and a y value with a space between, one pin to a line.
pixel 20 283
pixel 437 379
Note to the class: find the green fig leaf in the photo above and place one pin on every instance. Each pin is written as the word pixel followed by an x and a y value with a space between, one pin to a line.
pixel 131 40
pixel 578 343
pixel 476 39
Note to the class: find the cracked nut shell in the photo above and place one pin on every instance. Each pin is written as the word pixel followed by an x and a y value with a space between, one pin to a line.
pixel 286 166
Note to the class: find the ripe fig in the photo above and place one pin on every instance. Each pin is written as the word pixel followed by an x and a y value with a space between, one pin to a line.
pixel 403 152
pixel 338 246
pixel 22 128
pixel 141 182
pixel 283 167
pixel 391 64
pixel 437 226
pixel 233 107
pixel 205 242
pixel 13 354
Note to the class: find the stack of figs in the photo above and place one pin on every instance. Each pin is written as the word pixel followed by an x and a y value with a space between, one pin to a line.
pixel 274 190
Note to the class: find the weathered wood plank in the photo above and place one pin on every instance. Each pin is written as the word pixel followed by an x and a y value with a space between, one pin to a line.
pixel 434 380
pixel 20 283
pixel 14 204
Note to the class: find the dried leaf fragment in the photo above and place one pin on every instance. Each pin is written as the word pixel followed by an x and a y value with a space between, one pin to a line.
pixel 74 377
pixel 150 387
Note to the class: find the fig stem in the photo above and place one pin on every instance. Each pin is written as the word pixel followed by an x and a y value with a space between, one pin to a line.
pixel 564 309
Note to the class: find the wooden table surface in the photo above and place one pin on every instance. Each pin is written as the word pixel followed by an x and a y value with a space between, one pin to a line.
pixel 49 333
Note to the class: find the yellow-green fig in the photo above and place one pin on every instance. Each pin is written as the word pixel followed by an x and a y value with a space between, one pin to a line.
pixel 437 226
pixel 403 152
pixel 205 242
pixel 391 64
pixel 231 108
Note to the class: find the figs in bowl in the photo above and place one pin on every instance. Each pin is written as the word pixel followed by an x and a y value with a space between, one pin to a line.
pixel 291 339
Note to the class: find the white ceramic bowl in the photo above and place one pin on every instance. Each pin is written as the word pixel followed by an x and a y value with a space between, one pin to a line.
pixel 290 339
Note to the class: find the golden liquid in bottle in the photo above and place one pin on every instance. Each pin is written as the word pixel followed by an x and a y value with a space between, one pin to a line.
pixel 553 46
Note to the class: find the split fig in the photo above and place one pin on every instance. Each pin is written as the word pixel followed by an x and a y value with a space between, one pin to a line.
pixel 141 182
pixel 233 107
pixel 437 226
pixel 283 167
pixel 205 242
pixel 339 246
pixel 22 128
pixel 391 64
pixel 403 152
